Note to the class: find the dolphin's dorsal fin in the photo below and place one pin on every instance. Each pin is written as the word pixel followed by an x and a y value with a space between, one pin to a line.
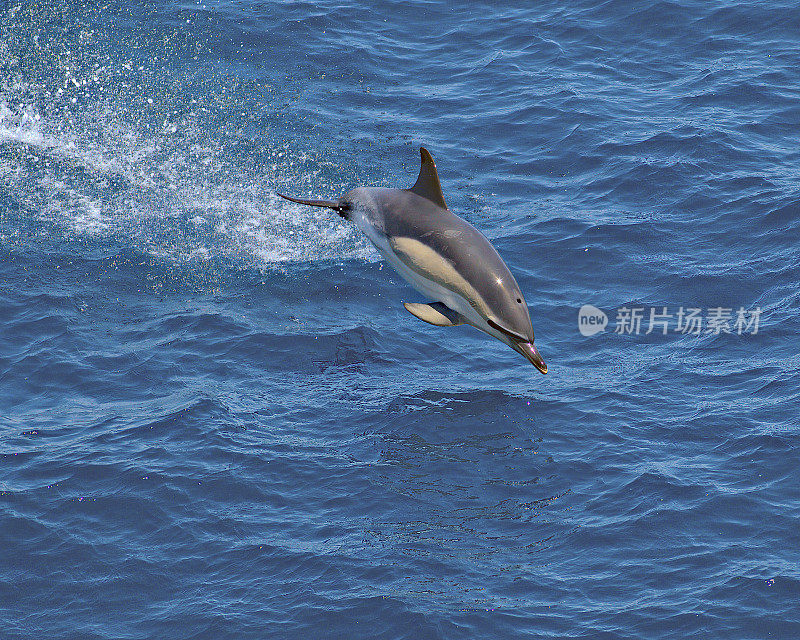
pixel 435 313
pixel 427 184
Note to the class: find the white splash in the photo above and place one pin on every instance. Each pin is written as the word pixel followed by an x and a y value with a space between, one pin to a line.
pixel 77 158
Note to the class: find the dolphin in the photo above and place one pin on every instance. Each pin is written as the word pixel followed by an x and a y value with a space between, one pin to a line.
pixel 442 256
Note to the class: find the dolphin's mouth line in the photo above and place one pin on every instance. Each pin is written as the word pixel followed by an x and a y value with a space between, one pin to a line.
pixel 523 345
pixel 510 334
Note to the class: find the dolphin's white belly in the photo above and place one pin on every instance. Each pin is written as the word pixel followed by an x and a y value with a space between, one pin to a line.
pixel 427 286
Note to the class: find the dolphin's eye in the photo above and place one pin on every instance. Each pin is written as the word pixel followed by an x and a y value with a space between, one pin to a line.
pixel 519 300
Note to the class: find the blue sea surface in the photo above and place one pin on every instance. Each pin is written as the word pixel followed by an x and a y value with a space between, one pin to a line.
pixel 218 421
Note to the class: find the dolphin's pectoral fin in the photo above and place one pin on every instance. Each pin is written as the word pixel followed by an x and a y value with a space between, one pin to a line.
pixel 435 313
pixel 427 184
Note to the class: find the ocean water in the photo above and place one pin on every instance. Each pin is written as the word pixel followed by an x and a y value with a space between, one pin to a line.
pixel 218 421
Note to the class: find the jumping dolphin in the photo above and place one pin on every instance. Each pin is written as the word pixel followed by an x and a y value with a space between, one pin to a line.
pixel 442 257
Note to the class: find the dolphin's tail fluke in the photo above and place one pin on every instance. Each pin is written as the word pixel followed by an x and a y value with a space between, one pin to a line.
pixel 328 204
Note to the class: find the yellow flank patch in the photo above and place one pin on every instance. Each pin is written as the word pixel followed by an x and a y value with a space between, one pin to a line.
pixel 426 262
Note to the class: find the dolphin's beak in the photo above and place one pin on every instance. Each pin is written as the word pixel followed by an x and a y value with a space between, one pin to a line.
pixel 528 350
